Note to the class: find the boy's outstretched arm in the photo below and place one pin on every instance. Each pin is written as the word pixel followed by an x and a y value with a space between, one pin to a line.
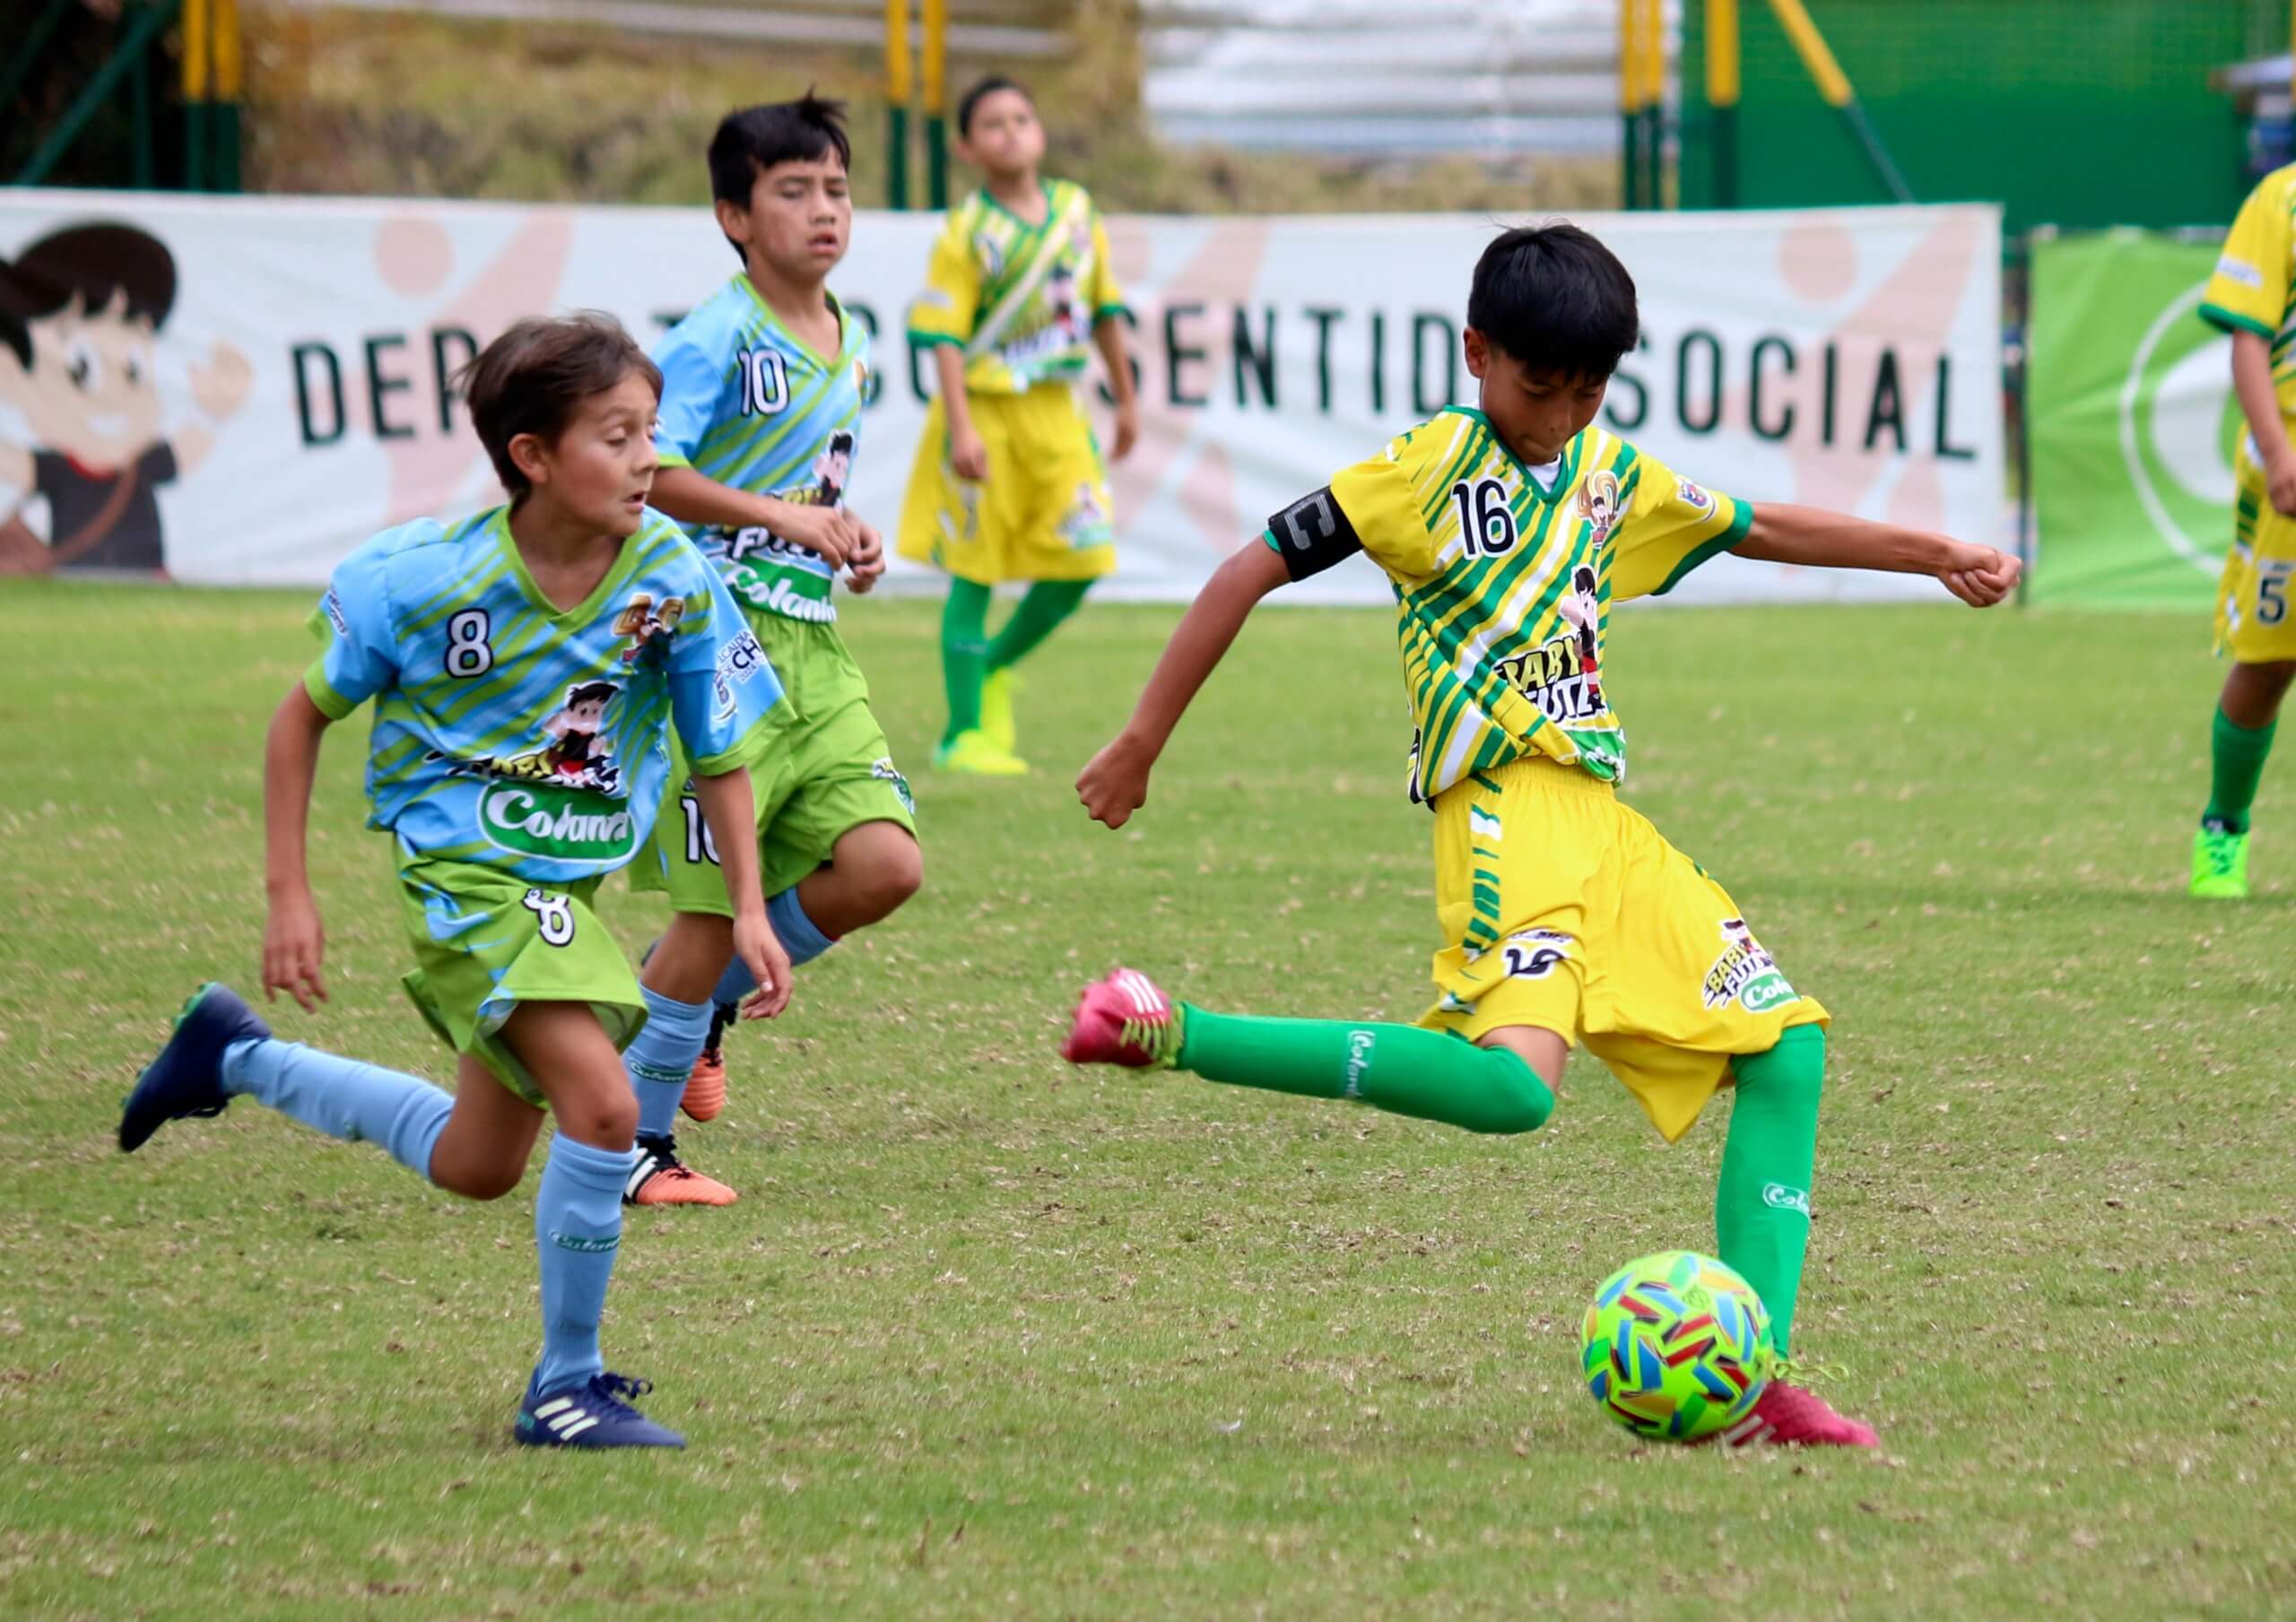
pixel 294 938
pixel 1815 538
pixel 1115 782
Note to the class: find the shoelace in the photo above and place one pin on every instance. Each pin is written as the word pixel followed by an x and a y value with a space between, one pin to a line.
pixel 1808 1376
pixel 1151 1036
pixel 619 1391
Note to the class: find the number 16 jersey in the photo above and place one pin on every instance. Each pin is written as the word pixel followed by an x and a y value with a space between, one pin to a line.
pixel 1503 579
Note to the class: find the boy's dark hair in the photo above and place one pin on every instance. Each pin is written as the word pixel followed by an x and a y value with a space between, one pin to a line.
pixel 1554 298
pixel 590 692
pixel 751 140
pixel 96 262
pixel 841 440
pixel 534 377
pixel 969 102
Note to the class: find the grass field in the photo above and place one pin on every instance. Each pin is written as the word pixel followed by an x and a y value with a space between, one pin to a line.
pixel 987 1337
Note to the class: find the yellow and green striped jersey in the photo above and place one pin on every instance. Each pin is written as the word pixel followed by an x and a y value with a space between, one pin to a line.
pixel 1020 299
pixel 1503 577
pixel 2253 290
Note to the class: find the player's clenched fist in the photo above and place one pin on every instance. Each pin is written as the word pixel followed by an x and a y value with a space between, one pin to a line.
pixel 1981 576
pixel 1114 783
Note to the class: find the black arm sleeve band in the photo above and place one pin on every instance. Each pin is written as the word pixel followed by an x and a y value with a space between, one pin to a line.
pixel 1312 535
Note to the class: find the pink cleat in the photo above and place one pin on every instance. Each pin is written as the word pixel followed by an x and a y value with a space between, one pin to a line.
pixel 1787 1415
pixel 1124 1019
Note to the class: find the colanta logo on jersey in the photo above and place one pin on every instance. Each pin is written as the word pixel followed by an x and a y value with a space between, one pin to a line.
pixel 1745 972
pixel 545 820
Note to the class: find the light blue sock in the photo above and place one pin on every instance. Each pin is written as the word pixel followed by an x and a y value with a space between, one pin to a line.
pixel 798 935
pixel 343 1097
pixel 577 1228
pixel 662 1057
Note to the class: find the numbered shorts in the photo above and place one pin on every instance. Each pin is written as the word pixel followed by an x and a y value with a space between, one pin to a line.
pixel 1567 911
pixel 486 940
pixel 1042 514
pixel 2253 622
pixel 825 770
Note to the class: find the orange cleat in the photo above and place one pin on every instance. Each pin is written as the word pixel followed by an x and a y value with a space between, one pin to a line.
pixel 661 1179
pixel 705 1089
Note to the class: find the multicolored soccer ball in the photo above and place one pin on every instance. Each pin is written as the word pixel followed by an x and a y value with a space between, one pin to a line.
pixel 1677 1346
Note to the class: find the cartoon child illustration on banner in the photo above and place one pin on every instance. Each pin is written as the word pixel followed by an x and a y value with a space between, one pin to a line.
pixel 80 311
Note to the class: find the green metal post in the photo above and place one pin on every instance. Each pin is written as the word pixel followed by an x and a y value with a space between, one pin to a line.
pixel 12 78
pixel 149 20
pixel 897 156
pixel 140 94
pixel 224 168
pixel 1654 155
pixel 1724 135
pixel 936 161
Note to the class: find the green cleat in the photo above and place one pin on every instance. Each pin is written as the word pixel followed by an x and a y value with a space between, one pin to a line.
pixel 996 709
pixel 975 753
pixel 2219 865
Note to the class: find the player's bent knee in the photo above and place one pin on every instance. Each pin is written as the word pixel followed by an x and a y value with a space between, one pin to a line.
pixel 609 1121
pixel 1520 1103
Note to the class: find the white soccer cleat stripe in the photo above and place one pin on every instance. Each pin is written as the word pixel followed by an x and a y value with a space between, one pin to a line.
pixel 577 1428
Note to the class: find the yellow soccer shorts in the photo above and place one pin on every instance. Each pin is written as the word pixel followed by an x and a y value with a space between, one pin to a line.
pixel 2254 623
pixel 1567 910
pixel 1042 514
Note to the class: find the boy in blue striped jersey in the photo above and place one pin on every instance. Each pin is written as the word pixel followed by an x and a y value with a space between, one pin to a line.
pixel 760 420
pixel 527 667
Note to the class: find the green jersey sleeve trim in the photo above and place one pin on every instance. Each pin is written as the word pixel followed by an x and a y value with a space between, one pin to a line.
pixel 1109 312
pixel 753 747
pixel 1722 543
pixel 330 704
pixel 1267 539
pixel 927 340
pixel 2226 320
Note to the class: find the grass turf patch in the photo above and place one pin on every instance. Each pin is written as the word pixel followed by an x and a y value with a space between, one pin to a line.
pixel 989 1336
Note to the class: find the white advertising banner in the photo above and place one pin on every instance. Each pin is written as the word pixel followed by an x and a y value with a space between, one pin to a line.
pixel 293 398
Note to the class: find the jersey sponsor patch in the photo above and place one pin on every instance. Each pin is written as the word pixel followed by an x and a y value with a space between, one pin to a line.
pixel 738 661
pixel 1691 495
pixel 2239 271
pixel 335 614
pixel 1313 533
pixel 1746 973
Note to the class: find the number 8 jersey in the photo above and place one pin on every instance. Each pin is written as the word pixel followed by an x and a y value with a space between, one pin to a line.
pixel 1503 577
pixel 513 735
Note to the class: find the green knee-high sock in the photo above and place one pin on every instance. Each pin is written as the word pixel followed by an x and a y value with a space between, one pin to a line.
pixel 964 652
pixel 2236 756
pixel 1761 1206
pixel 1400 1068
pixel 1047 604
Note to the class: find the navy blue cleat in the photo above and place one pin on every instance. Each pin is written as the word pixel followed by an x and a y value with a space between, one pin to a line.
pixel 188 1077
pixel 591 1413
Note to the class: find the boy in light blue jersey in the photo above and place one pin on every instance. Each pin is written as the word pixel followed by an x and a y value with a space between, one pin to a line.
pixel 528 667
pixel 762 390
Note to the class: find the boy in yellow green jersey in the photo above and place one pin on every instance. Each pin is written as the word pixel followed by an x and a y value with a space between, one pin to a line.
pixel 2253 296
pixel 1008 483
pixel 1508 531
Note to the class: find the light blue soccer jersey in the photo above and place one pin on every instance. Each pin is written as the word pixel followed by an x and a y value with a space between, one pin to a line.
pixel 515 736
pixel 747 402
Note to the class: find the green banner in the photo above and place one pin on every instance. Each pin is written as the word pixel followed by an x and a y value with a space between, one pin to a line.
pixel 2132 422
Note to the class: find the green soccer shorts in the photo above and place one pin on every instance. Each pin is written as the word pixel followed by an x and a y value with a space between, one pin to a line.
pixel 827 770
pixel 486 940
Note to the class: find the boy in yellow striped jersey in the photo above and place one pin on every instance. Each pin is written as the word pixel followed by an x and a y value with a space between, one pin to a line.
pixel 2253 296
pixel 1008 483
pixel 1508 531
